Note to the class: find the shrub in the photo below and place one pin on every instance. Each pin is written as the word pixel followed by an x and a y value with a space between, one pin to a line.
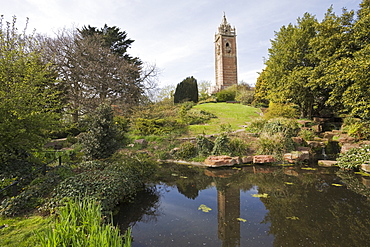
pixel 354 158
pixel 245 97
pixel 357 128
pixel 307 134
pixel 288 127
pixel 142 126
pixel 221 145
pixel 33 196
pixel 108 183
pixel 225 95
pixel 187 150
pixel 276 110
pixel 256 125
pixel 276 144
pixel 102 138
pixel 79 223
pixel 204 146
pixel 238 147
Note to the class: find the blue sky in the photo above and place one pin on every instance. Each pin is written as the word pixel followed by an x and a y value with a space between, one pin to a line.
pixel 177 35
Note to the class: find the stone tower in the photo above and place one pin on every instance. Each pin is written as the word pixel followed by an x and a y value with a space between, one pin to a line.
pixel 226 56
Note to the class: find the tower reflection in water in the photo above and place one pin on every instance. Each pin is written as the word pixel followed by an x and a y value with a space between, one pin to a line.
pixel 228 201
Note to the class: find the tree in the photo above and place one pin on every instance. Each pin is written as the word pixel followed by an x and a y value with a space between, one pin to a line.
pixel 204 89
pixel 290 65
pixel 94 72
pixel 29 101
pixel 356 97
pixel 187 90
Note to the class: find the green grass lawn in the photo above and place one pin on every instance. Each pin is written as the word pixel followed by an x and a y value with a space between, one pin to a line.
pixel 20 231
pixel 236 115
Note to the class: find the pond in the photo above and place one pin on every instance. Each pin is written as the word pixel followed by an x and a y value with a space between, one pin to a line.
pixel 250 206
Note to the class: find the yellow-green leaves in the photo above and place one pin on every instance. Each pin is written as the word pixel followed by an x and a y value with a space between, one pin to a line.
pixel 264 195
pixel 337 185
pixel 309 168
pixel 204 208
pixel 292 218
pixel 241 219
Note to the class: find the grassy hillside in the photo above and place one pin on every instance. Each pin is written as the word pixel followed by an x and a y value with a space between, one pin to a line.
pixel 236 115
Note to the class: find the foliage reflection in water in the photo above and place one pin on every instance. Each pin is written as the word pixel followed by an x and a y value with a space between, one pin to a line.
pixel 250 206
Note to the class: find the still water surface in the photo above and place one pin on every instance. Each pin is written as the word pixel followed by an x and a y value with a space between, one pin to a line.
pixel 250 206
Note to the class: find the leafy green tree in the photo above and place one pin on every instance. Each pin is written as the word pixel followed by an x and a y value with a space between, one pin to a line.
pixel 29 101
pixel 290 64
pixel 356 97
pixel 187 90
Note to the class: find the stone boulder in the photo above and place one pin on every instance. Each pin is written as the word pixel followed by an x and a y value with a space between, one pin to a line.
pixel 223 160
pixel 327 163
pixel 247 159
pixel 261 159
pixel 297 156
pixel 347 146
pixel 365 167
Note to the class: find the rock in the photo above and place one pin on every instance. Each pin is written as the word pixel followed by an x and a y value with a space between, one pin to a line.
pixel 247 159
pixel 297 156
pixel 366 181
pixel 298 140
pixel 261 159
pixel 223 160
pixel 315 144
pixel 327 163
pixel 365 167
pixel 344 138
pixel 347 146
pixel 142 142
pixel 308 149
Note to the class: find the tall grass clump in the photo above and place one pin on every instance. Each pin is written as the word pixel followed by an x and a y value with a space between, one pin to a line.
pixel 275 135
pixel 80 223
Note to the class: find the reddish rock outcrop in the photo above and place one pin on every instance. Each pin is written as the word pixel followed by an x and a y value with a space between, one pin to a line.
pixel 223 160
pixel 261 159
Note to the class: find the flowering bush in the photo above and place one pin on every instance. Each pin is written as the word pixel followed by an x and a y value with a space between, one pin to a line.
pixel 354 157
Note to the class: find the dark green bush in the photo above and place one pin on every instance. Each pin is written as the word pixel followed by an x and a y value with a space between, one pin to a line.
pixel 33 196
pixel 187 90
pixel 108 182
pixel 103 137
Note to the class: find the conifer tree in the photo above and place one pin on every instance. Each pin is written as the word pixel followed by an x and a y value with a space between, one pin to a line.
pixel 187 90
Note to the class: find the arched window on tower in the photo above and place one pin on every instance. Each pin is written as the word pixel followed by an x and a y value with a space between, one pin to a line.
pixel 228 47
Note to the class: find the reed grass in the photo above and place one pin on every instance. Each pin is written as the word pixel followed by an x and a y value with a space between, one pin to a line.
pixel 80 223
